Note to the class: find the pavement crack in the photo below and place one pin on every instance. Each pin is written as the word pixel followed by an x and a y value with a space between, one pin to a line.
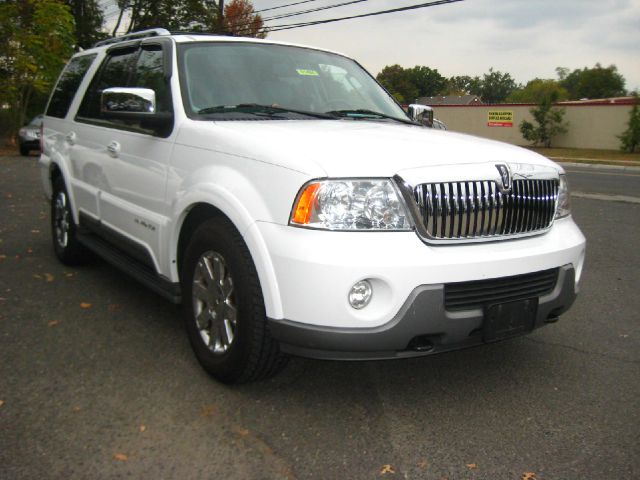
pixel 583 351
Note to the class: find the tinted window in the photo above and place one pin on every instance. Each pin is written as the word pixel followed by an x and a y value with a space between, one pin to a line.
pixel 115 72
pixel 149 73
pixel 68 85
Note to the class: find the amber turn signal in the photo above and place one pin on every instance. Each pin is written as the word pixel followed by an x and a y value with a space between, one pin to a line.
pixel 304 206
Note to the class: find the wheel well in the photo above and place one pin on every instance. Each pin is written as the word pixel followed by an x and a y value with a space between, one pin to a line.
pixel 198 213
pixel 55 173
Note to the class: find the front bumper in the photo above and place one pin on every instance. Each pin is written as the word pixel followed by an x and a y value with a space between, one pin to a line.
pixel 422 326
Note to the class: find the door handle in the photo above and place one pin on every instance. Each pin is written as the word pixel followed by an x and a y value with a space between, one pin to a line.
pixel 71 138
pixel 114 149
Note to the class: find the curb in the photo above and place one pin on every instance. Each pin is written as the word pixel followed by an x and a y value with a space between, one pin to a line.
pixel 598 166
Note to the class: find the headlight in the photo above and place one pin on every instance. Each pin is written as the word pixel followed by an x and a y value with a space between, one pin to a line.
pixel 564 198
pixel 372 204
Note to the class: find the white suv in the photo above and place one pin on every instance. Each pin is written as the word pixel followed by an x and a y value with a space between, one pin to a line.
pixel 292 206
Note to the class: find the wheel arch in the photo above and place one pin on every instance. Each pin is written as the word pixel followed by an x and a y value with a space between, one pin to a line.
pixel 198 211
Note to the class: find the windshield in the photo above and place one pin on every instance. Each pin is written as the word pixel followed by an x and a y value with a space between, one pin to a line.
pixel 217 77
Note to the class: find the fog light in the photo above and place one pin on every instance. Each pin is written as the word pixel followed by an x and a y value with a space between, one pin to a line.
pixel 360 294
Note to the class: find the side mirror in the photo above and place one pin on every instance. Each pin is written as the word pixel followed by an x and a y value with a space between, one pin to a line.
pixel 422 114
pixel 136 105
pixel 128 102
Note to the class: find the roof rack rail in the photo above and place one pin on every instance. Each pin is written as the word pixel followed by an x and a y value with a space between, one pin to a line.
pixel 152 32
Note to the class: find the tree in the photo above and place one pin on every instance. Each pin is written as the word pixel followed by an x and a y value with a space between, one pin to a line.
pixel 463 85
pixel 537 90
pixel 241 20
pixel 193 15
pixel 37 39
pixel 398 83
pixel 596 82
pixel 549 121
pixel 496 86
pixel 89 19
pixel 428 82
pixel 630 139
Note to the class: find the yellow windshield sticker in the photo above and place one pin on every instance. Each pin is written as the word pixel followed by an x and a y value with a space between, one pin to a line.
pixel 308 73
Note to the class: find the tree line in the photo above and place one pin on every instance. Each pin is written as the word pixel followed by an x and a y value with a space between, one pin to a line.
pixel 408 84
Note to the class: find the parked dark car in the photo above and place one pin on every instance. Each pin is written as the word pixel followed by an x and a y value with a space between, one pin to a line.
pixel 29 136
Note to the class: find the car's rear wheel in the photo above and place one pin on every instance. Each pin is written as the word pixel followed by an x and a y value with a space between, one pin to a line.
pixel 224 308
pixel 24 150
pixel 63 229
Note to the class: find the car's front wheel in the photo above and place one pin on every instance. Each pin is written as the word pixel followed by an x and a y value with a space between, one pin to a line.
pixel 224 308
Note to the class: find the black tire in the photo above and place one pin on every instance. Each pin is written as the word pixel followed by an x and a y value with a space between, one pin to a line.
pixel 63 229
pixel 24 151
pixel 230 300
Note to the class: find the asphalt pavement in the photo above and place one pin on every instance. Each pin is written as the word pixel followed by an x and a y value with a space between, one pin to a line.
pixel 97 379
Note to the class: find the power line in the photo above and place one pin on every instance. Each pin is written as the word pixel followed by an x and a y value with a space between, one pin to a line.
pixel 300 12
pixel 277 28
pixel 284 6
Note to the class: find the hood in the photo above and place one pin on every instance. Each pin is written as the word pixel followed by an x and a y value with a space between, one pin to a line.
pixel 353 148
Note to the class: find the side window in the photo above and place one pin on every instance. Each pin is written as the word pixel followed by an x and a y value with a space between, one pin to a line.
pixel 68 85
pixel 149 73
pixel 115 72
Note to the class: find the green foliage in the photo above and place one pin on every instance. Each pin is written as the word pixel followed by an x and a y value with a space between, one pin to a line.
pixel 89 19
pixel 537 90
pixel 37 39
pixel 398 82
pixel 496 86
pixel 191 15
pixel 630 139
pixel 463 85
pixel 549 120
pixel 596 82
pixel 407 84
pixel 428 81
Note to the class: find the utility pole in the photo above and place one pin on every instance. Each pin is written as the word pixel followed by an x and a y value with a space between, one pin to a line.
pixel 220 16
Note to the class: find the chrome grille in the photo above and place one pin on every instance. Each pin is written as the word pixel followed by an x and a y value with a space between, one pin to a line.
pixel 478 209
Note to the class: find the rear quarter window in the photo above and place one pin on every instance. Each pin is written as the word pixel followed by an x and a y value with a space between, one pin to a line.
pixel 68 85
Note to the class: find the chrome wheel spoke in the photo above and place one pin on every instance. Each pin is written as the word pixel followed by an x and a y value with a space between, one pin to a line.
pixel 213 302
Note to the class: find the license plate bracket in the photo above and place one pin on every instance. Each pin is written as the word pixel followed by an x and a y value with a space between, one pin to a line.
pixel 510 319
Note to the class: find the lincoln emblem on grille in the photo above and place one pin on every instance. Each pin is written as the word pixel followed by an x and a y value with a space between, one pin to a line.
pixel 505 175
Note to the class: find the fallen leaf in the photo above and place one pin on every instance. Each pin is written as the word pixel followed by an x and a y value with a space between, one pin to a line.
pixel 209 410
pixel 1 403
pixel 528 476
pixel 472 466
pixel 120 457
pixel 387 469
pixel 35 231
pixel 76 408
pixel 423 464
pixel 49 278
pixel 85 305
pixel 3 257
pixel 29 250
pixel 243 432
pixel 142 428
pixel 68 274
pixel 53 323
pixel 35 275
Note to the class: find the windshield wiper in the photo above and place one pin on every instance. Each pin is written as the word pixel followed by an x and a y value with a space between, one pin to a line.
pixel 254 108
pixel 367 114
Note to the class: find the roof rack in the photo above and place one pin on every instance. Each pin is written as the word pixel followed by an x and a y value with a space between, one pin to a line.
pixel 152 32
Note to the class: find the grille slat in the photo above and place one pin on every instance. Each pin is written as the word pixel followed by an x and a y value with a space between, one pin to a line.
pixel 476 294
pixel 480 209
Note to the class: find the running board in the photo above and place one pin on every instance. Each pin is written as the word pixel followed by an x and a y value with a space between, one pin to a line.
pixel 135 268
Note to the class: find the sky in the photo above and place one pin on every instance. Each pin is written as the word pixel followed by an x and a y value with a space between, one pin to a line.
pixel 527 38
